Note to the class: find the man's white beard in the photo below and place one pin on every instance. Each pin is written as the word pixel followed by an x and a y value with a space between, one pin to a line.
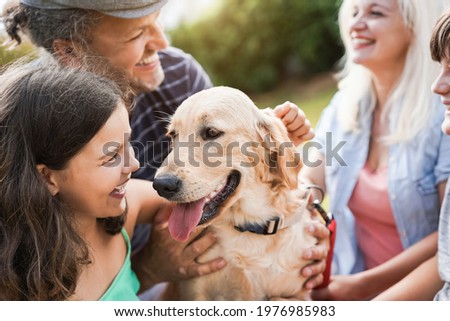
pixel 140 87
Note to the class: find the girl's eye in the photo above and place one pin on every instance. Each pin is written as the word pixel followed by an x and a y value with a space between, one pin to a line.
pixel 112 160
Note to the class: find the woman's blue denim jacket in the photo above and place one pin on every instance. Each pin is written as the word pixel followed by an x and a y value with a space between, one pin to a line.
pixel 414 171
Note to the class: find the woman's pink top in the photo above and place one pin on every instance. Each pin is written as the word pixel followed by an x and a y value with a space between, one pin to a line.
pixel 376 231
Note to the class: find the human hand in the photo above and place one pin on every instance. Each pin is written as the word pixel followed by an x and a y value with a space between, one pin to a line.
pixel 341 288
pixel 317 253
pixel 165 260
pixel 298 126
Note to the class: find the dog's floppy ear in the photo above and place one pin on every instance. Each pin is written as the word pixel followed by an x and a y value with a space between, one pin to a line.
pixel 279 153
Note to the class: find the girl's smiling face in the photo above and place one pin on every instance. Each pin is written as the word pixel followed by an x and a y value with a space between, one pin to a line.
pixel 94 182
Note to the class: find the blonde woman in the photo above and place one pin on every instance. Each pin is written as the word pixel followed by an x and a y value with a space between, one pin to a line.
pixel 387 163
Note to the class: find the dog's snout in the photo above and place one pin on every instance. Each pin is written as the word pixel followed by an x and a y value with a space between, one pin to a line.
pixel 167 186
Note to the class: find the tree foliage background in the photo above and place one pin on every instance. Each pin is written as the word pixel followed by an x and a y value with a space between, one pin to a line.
pixel 254 44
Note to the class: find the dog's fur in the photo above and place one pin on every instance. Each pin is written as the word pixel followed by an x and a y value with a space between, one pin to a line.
pixel 259 266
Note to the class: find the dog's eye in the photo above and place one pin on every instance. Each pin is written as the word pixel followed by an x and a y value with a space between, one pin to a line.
pixel 211 133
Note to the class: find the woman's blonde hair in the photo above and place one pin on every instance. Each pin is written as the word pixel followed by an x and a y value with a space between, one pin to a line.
pixel 409 107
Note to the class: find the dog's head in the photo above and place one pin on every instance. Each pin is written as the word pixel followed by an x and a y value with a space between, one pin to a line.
pixel 225 150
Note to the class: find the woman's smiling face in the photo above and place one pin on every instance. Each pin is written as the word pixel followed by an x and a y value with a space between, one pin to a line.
pixel 378 34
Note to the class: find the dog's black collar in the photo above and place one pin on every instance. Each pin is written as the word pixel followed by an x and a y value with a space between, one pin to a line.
pixel 277 223
pixel 271 227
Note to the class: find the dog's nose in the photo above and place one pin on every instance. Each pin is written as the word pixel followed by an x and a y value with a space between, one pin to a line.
pixel 167 186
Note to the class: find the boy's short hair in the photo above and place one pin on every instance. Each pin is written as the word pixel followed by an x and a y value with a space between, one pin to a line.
pixel 440 38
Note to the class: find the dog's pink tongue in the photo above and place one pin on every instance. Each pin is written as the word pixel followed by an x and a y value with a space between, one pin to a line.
pixel 184 219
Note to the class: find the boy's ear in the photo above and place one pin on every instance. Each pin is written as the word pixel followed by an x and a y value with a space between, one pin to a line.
pixel 66 52
pixel 48 176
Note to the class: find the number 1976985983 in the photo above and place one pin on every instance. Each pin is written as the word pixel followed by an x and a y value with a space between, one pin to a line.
pixel 296 310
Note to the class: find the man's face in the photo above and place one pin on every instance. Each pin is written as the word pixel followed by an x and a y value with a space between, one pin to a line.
pixel 132 46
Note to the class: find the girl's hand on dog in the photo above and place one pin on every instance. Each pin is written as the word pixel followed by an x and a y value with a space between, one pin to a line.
pixel 200 242
pixel 298 126
pixel 178 261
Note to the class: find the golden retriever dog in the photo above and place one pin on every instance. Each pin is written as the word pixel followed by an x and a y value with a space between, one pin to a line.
pixel 234 169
